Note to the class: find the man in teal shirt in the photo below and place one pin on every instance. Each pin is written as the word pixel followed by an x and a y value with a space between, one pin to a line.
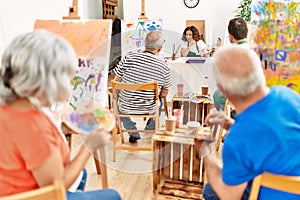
pixel 238 31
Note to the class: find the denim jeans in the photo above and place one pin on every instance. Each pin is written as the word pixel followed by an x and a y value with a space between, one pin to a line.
pixel 131 125
pixel 82 183
pixel 209 193
pixel 105 194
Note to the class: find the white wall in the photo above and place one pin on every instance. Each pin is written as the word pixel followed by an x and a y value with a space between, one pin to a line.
pixel 18 16
pixel 119 9
pixel 174 13
pixel 90 9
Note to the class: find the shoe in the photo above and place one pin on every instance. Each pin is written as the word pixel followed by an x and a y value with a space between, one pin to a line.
pixel 133 139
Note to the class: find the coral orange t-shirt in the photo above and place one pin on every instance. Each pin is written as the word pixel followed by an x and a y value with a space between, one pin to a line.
pixel 26 140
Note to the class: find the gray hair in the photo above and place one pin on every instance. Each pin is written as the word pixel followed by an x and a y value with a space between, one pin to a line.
pixel 37 65
pixel 154 40
pixel 233 83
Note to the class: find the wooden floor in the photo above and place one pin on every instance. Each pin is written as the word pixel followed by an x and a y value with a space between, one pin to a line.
pixel 130 175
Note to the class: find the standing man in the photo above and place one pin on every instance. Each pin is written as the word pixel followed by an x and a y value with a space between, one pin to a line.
pixel 142 67
pixel 265 135
pixel 238 31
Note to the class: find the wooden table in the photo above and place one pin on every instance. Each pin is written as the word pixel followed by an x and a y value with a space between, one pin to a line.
pixel 177 171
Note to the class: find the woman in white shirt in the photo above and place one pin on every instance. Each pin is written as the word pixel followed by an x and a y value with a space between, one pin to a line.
pixel 192 45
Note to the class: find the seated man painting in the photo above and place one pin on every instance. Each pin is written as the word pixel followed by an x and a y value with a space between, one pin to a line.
pixel 142 67
pixel 264 137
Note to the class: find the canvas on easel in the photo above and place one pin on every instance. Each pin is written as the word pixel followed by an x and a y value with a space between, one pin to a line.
pixel 275 37
pixel 91 41
pixel 135 31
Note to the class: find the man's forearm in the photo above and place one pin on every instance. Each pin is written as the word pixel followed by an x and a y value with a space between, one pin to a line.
pixel 214 177
pixel 213 172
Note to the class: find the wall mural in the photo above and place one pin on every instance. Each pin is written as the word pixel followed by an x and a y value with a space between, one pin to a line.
pixel 134 32
pixel 275 35
pixel 91 41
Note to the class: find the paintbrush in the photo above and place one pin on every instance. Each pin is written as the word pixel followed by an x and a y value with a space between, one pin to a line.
pixel 177 49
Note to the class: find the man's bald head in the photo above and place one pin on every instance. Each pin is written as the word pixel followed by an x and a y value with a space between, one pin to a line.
pixel 154 40
pixel 238 70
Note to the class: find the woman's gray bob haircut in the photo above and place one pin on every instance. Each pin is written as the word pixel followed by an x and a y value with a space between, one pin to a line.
pixel 37 65
pixel 154 40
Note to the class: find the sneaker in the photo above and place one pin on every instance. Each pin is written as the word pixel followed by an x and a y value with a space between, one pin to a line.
pixel 134 138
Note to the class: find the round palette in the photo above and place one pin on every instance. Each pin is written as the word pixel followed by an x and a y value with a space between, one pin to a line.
pixel 197 98
pixel 88 116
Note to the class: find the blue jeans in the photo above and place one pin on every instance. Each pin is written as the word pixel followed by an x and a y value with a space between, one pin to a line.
pixel 131 125
pixel 209 193
pixel 82 183
pixel 105 194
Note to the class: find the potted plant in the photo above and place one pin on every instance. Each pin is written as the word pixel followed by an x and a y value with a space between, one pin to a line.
pixel 244 10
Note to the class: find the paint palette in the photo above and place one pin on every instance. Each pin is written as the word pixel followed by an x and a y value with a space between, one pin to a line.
pixel 87 116
pixel 198 98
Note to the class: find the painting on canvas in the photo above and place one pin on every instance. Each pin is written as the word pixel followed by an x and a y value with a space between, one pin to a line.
pixel 134 32
pixel 91 42
pixel 275 35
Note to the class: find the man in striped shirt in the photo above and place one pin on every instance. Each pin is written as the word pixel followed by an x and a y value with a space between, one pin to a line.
pixel 142 67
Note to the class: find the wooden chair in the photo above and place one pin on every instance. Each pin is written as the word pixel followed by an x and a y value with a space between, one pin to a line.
pixel 100 162
pixel 52 192
pixel 290 184
pixel 116 87
pixel 217 131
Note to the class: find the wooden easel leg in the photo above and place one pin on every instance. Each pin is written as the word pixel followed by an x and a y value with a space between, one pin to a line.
pixel 97 163
pixel 115 142
pixel 104 177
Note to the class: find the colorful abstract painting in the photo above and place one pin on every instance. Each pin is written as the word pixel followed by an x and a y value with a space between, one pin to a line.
pixel 275 35
pixel 91 41
pixel 134 32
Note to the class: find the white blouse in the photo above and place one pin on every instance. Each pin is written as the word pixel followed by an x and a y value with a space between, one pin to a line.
pixel 201 46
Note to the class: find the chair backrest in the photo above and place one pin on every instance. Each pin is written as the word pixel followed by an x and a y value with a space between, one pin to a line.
pixel 135 87
pixel 52 192
pixel 290 184
pixel 117 86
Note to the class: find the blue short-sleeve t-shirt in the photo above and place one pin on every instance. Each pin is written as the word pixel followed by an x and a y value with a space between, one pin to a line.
pixel 264 137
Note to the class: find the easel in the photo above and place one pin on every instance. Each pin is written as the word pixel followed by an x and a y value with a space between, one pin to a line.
pixel 73 11
pixel 143 12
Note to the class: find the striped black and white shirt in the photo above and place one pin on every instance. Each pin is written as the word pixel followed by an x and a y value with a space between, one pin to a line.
pixel 141 67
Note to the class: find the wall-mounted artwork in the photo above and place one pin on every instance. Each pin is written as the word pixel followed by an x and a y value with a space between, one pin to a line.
pixel 134 32
pixel 275 35
pixel 91 41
